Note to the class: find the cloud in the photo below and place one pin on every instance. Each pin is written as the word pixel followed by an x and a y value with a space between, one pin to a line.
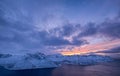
pixel 113 50
pixel 66 30
pixel 48 39
pixel 21 26
pixel 110 28
pixel 22 35
pixel 88 30
pixel 15 35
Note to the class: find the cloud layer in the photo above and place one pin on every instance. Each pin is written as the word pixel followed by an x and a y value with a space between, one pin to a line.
pixel 23 27
pixel 113 50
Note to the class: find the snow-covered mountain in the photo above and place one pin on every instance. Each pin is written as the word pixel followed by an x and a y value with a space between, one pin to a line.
pixel 39 60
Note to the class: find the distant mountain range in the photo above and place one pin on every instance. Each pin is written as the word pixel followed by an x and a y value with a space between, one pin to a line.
pixel 39 60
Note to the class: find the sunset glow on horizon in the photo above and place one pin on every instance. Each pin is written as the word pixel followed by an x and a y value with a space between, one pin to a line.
pixel 92 48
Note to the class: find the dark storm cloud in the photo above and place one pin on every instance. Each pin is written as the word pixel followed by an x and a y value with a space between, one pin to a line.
pixel 15 34
pixel 29 38
pixel 88 30
pixel 20 35
pixel 66 30
pixel 113 50
pixel 110 28
pixel 52 40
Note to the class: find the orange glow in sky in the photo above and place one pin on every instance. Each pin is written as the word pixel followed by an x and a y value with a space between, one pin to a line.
pixel 92 47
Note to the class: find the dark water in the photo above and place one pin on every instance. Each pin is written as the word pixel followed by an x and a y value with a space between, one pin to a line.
pixel 29 72
pixel 103 69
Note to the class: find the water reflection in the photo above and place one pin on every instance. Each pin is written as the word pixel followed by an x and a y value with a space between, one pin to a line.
pixel 108 69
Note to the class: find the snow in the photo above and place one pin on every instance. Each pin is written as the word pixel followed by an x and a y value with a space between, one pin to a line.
pixel 39 60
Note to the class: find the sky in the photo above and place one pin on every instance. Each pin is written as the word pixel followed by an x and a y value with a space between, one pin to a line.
pixel 67 27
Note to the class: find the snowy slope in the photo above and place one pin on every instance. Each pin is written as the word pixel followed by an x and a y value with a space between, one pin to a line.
pixel 39 60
